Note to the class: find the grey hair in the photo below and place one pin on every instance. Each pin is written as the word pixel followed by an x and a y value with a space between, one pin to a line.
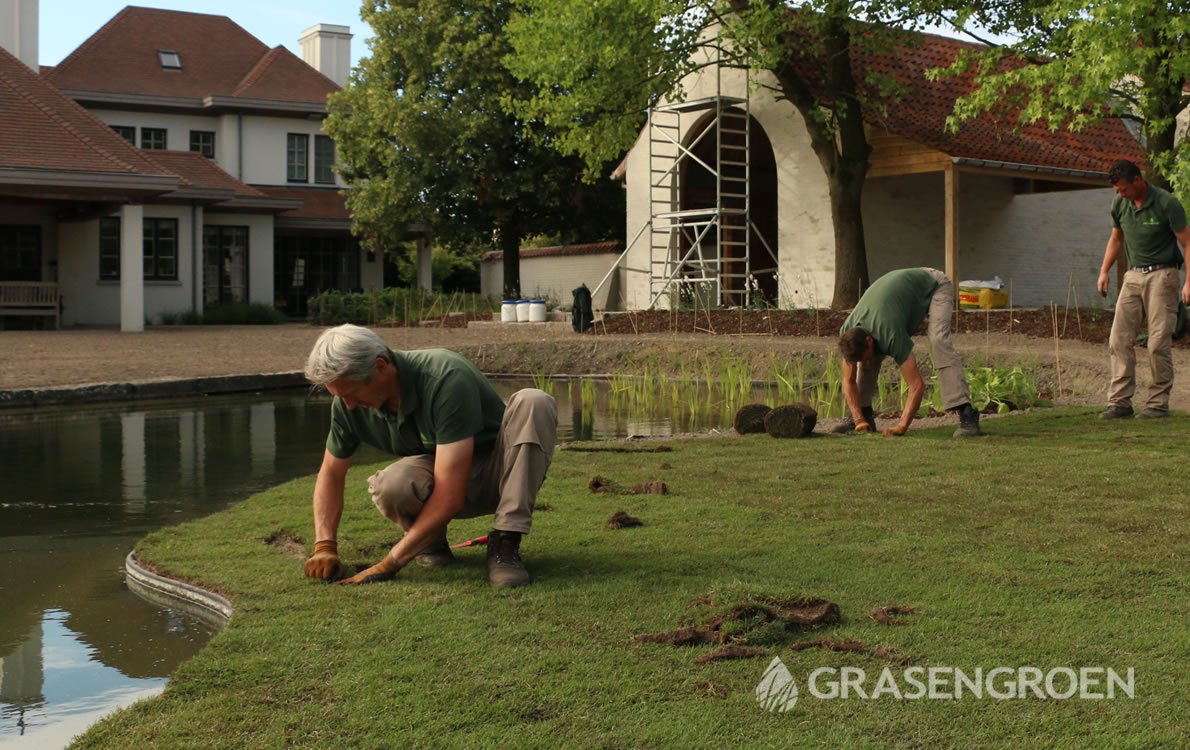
pixel 345 352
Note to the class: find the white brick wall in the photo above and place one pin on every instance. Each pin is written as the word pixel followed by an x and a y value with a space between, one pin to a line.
pixel 555 277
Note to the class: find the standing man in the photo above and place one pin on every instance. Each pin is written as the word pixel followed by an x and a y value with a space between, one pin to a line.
pixel 882 324
pixel 463 453
pixel 1147 225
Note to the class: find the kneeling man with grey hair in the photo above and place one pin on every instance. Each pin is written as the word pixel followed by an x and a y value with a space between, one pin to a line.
pixel 463 452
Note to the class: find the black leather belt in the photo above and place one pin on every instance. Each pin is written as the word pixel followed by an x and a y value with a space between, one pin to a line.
pixel 1154 267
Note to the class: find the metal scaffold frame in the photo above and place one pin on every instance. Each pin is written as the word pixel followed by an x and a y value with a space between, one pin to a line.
pixel 703 255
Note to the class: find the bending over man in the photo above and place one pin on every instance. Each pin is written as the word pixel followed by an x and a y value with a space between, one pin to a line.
pixel 463 453
pixel 882 324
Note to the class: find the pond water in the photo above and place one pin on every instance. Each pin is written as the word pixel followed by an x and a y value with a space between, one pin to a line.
pixel 78 488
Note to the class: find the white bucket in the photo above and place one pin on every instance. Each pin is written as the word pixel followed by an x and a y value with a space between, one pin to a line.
pixel 536 311
pixel 508 311
pixel 522 311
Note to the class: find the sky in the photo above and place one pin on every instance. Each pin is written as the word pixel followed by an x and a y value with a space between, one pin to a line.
pixel 65 24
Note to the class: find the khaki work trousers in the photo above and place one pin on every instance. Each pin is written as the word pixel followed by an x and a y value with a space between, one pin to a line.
pixel 505 476
pixel 1152 299
pixel 952 381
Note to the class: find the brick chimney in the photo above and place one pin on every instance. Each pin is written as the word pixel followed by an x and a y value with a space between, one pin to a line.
pixel 327 49
pixel 18 30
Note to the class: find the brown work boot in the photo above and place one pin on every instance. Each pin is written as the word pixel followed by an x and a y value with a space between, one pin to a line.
pixel 436 555
pixel 505 567
pixel 968 422
pixel 847 426
pixel 1152 413
pixel 1116 412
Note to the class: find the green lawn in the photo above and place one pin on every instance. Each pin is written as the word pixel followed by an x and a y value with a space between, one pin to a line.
pixel 1055 541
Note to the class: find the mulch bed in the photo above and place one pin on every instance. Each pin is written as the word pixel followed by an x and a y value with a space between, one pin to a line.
pixel 1089 325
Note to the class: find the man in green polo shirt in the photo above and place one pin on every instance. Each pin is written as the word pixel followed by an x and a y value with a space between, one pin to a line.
pixel 1148 223
pixel 463 453
pixel 882 324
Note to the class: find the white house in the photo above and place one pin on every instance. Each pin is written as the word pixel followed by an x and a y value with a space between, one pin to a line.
pixel 1029 207
pixel 246 206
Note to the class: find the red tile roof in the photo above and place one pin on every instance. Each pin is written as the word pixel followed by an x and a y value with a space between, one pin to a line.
pixel 317 203
pixel 920 115
pixel 195 170
pixel 42 128
pixel 219 58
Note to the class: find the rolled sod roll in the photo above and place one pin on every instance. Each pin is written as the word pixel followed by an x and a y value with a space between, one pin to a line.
pixel 750 418
pixel 793 421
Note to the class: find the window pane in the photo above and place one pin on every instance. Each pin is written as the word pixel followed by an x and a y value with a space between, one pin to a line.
pixel 324 157
pixel 127 132
pixel 295 157
pixel 153 138
pixel 109 248
pixel 203 141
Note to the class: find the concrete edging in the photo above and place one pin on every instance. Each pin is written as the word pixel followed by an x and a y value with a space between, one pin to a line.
pixel 206 605
pixel 181 388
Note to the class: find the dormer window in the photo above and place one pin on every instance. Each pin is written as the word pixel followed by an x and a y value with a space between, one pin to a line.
pixel 170 60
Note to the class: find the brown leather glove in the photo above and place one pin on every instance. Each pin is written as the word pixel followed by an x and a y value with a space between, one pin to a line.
pixel 894 431
pixel 381 571
pixel 862 426
pixel 324 563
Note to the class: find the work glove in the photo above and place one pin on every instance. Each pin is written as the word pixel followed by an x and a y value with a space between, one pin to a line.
pixel 381 571
pixel 894 431
pixel 862 426
pixel 324 563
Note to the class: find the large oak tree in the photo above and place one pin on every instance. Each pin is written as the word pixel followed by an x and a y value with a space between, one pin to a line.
pixel 422 136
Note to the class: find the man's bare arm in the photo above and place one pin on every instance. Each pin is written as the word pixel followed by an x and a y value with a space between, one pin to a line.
pixel 452 469
pixel 1115 248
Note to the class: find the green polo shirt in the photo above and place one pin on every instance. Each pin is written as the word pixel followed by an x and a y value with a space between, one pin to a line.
pixel 892 309
pixel 444 399
pixel 1149 229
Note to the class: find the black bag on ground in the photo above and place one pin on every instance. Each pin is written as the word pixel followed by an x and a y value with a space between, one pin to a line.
pixel 581 314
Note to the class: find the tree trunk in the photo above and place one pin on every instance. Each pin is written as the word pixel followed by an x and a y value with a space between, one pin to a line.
pixel 842 148
pixel 510 245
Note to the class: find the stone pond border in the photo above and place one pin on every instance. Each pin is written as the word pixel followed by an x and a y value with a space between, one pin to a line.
pixel 157 589
pixel 154 389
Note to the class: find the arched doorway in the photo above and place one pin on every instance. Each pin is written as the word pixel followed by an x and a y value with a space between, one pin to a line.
pixel 713 177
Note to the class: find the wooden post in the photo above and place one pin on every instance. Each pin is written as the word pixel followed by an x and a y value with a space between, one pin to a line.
pixel 952 226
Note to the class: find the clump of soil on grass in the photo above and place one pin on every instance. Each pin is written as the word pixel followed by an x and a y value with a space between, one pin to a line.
pixel 542 508
pixel 619 449
pixel 793 421
pixel 757 619
pixel 665 465
pixel 621 520
pixel 600 484
pixel 726 653
pixel 285 542
pixel 888 615
pixel 749 419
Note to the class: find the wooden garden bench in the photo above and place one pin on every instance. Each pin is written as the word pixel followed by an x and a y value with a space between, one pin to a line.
pixel 30 298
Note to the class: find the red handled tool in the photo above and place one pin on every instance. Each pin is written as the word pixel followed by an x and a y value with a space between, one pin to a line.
pixel 471 542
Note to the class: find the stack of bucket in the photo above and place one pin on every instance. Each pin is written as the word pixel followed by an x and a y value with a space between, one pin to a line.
pixel 522 311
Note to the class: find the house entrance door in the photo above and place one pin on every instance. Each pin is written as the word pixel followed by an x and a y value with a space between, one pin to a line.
pixel 225 265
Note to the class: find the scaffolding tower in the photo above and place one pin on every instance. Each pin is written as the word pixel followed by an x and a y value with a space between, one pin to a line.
pixel 701 245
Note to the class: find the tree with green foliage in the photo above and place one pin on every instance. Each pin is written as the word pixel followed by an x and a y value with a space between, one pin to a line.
pixel 598 66
pixel 421 137
pixel 1073 62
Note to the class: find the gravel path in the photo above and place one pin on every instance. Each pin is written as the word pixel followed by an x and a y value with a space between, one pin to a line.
pixel 42 359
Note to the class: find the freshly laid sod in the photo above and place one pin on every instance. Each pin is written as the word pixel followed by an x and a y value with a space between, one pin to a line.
pixel 1055 541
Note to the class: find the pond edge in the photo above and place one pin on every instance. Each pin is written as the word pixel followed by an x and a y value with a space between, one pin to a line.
pixel 156 589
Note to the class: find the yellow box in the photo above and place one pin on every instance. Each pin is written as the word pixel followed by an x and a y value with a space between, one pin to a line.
pixel 982 298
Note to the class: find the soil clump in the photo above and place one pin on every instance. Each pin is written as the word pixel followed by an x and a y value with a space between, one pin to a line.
pixel 621 520
pixel 286 542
